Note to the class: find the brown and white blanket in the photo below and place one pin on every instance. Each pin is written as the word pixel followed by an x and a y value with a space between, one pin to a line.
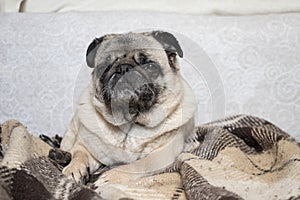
pixel 240 157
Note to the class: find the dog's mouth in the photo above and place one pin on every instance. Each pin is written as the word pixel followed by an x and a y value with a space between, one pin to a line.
pixel 143 100
pixel 127 88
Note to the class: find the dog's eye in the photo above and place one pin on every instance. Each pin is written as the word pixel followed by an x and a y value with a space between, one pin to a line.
pixel 152 69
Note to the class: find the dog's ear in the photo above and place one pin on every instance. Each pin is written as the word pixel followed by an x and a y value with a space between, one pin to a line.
pixel 169 42
pixel 91 51
pixel 170 45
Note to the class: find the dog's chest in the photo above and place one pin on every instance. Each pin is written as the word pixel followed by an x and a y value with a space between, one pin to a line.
pixel 118 147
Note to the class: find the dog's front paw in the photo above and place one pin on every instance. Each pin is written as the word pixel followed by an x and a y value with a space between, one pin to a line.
pixel 112 184
pixel 113 191
pixel 77 170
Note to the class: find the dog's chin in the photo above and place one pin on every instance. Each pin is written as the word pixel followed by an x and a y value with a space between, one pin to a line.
pixel 130 110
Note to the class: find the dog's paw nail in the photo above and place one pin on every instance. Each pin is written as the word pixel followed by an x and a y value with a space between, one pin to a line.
pixel 76 172
pixel 100 182
pixel 103 175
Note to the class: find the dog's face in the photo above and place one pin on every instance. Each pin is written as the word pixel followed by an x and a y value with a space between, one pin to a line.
pixel 135 75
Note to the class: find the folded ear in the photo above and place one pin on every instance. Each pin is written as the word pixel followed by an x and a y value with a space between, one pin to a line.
pixel 91 51
pixel 168 41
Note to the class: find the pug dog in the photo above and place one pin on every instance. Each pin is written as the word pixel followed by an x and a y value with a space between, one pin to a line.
pixel 137 110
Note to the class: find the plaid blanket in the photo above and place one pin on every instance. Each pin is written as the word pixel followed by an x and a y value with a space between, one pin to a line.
pixel 239 157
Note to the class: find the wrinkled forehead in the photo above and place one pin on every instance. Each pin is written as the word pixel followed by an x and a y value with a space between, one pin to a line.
pixel 130 42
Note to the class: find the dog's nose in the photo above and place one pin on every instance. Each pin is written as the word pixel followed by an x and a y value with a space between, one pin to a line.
pixel 146 95
pixel 123 68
